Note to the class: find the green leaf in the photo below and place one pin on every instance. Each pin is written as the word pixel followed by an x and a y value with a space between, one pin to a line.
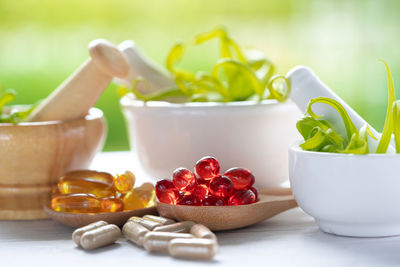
pixel 276 92
pixel 315 140
pixel 18 116
pixel 160 95
pixel 207 36
pixel 246 72
pixel 388 126
pixel 157 96
pixel 320 136
pixel 229 48
pixel 174 56
pixel 214 84
pixel 396 124
pixel 350 127
pixel 306 124
pixel 315 134
pixel 241 78
pixel 359 142
pixel 264 69
pixel 122 90
pixel 6 97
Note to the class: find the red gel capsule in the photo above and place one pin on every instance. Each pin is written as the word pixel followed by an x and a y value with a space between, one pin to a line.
pixel 189 200
pixel 255 191
pixel 242 197
pixel 183 179
pixel 166 192
pixel 242 178
pixel 207 168
pixel 203 181
pixel 181 194
pixel 221 186
pixel 200 191
pixel 213 201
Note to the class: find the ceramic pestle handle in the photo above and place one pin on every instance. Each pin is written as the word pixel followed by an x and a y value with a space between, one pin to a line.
pixel 306 85
pixel 75 96
pixel 140 65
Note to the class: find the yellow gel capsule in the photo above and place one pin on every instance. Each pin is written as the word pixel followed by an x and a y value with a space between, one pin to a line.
pixel 146 194
pixel 132 201
pixel 104 177
pixel 77 203
pixel 124 182
pixel 73 185
pixel 111 204
pixel 152 201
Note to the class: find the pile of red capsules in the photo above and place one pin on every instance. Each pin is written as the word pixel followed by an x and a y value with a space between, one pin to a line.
pixel 207 186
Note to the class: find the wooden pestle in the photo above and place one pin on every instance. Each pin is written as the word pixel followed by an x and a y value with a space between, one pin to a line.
pixel 76 95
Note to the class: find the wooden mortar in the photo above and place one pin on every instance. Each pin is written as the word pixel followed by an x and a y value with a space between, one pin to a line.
pixel 58 136
pixel 35 154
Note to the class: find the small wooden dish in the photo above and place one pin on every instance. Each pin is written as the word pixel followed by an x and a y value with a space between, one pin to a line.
pixel 219 218
pixel 81 219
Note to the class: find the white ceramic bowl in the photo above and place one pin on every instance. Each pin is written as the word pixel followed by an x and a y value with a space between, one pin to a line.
pixel 246 134
pixel 350 195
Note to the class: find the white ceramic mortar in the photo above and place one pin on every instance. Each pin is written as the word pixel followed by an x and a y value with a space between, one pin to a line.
pixel 350 195
pixel 239 134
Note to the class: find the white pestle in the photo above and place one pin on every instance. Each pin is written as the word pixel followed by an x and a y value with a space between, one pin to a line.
pixel 305 85
pixel 140 65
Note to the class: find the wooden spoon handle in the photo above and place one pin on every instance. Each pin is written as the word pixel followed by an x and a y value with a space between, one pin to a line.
pixel 75 96
pixel 271 205
pixel 277 191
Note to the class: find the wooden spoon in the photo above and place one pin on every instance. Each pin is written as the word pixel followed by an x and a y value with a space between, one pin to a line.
pixel 81 219
pixel 231 217
pixel 271 202
pixel 73 98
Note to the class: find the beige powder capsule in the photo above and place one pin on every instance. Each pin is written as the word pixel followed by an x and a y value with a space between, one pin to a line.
pixel 162 220
pixel 158 241
pixel 180 227
pixel 193 249
pixel 145 222
pixel 202 231
pixel 99 237
pixel 134 232
pixel 76 235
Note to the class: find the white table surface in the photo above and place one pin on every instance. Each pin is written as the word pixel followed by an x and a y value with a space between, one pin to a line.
pixel 289 239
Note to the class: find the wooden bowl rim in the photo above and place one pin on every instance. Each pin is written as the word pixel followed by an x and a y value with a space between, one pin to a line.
pixel 93 114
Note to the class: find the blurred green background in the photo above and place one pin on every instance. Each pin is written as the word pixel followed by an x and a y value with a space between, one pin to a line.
pixel 42 42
